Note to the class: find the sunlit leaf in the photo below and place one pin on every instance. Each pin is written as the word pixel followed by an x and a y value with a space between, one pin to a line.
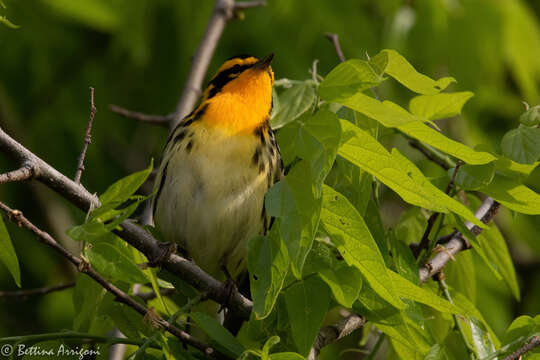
pixel 514 195
pixel 349 78
pixel 397 172
pixel 124 188
pixel 401 70
pixel 439 106
pixel 353 240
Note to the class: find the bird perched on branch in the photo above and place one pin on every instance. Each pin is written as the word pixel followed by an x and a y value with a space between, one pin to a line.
pixel 217 166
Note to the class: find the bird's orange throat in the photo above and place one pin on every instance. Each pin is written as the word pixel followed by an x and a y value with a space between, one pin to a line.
pixel 243 104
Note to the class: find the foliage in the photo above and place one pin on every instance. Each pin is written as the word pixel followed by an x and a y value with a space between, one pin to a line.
pixel 336 242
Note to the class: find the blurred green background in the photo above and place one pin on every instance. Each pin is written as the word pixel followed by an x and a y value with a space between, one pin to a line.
pixel 136 54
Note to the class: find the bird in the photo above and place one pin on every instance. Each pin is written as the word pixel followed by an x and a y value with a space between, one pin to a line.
pixel 217 166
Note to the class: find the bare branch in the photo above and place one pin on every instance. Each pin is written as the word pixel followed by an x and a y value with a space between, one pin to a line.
pixel 334 38
pixel 17 217
pixel 485 213
pixel 223 12
pixel 87 139
pixel 530 345
pixel 242 5
pixel 332 333
pixel 39 291
pixel 160 120
pixel 132 233
pixel 21 174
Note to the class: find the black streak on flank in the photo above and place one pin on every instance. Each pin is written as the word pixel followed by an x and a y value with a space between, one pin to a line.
pixel 198 114
pixel 259 132
pixel 181 135
pixel 161 183
pixel 222 78
pixel 256 156
pixel 189 146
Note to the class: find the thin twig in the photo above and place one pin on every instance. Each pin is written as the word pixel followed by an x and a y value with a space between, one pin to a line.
pixel 21 174
pixel 223 11
pixel 242 5
pixel 430 155
pixel 82 266
pixel 160 120
pixel 130 232
pixel 87 139
pixel 529 345
pixel 334 38
pixel 486 212
pixel 39 291
pixel 424 242
pixel 332 333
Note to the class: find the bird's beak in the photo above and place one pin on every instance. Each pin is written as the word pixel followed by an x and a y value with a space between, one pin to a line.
pixel 264 63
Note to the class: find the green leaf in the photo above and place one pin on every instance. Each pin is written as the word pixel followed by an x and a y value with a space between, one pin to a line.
pixel 307 303
pixel 110 262
pixel 397 172
pixel 87 297
pixel 437 352
pixel 92 231
pixel 345 283
pixel 439 106
pixel 348 78
pixel 401 70
pixel 217 333
pixel 473 177
pixel 514 195
pixel 268 263
pixel 353 240
pixel 481 339
pixel 531 117
pixel 295 204
pixel 389 116
pixel 522 144
pixel 403 258
pixel 406 289
pixel 524 326
pixel 8 255
pixel 492 241
pixel 122 190
pixel 432 137
pixel 293 102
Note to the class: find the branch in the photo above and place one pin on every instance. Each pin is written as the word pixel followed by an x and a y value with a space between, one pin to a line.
pixel 334 38
pixel 38 291
pixel 332 333
pixel 485 213
pixel 130 232
pixel 529 345
pixel 21 174
pixel 223 12
pixel 161 120
pixel 87 139
pixel 82 266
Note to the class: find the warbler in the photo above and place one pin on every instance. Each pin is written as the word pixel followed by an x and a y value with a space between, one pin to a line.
pixel 217 166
